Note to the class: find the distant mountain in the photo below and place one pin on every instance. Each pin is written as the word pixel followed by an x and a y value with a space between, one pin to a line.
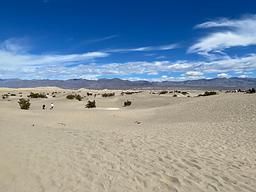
pixel 218 83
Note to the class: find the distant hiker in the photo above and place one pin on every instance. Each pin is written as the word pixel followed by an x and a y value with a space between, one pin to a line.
pixel 52 105
pixel 43 107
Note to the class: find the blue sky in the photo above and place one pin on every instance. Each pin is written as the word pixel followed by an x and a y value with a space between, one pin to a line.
pixel 152 40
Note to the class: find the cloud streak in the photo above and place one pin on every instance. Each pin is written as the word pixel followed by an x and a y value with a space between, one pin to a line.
pixel 227 33
pixel 144 49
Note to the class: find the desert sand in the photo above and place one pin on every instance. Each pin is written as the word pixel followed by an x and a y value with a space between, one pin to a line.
pixel 160 143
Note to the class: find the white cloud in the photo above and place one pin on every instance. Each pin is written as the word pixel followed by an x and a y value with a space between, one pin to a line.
pixel 89 69
pixel 222 75
pixel 144 49
pixel 12 60
pixel 232 33
pixel 15 45
pixel 194 73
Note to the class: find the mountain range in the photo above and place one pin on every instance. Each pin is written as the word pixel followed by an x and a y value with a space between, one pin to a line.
pixel 217 83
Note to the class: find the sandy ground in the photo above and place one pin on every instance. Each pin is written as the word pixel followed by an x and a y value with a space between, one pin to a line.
pixel 160 143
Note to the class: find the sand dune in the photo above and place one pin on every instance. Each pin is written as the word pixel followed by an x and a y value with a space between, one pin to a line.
pixel 159 143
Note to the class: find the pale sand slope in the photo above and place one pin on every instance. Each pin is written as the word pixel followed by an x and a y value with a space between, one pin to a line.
pixel 182 144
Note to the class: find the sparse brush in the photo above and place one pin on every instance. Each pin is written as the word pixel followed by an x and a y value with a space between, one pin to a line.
pixel 74 96
pixel 163 92
pixel 5 96
pixel 71 96
pixel 24 103
pixel 78 97
pixel 250 91
pixel 108 94
pixel 37 95
pixel 208 93
pixel 184 93
pixel 91 104
pixel 127 103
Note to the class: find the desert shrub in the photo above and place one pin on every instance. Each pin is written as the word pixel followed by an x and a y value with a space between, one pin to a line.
pixel 250 91
pixel 89 94
pixel 54 96
pixel 5 96
pixel 184 93
pixel 78 97
pixel 12 94
pixel 129 92
pixel 127 103
pixel 74 96
pixel 37 95
pixel 91 104
pixel 175 95
pixel 108 94
pixel 163 92
pixel 208 93
pixel 71 96
pixel 24 103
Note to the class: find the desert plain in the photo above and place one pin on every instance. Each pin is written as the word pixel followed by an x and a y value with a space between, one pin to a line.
pixel 160 143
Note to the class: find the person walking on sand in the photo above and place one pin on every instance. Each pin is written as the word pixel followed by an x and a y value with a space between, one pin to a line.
pixel 43 107
pixel 52 105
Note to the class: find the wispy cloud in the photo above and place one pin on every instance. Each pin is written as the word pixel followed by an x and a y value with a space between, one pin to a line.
pixel 13 56
pixel 227 33
pixel 144 49
pixel 97 40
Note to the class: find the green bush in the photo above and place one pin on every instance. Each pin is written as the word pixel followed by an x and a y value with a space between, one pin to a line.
pixel 70 96
pixel 91 104
pixel 24 103
pixel 127 103
pixel 5 96
pixel 108 94
pixel 37 95
pixel 163 92
pixel 76 96
pixel 250 91
pixel 208 93
pixel 184 93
